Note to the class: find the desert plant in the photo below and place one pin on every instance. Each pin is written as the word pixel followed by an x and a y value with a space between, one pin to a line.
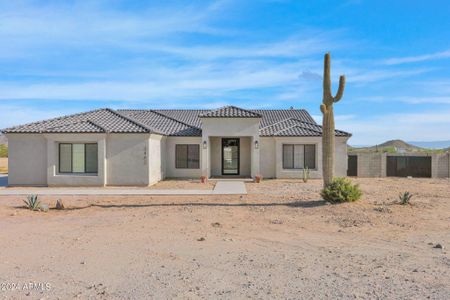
pixel 341 190
pixel 404 198
pixel 328 121
pixel 32 202
pixel 305 174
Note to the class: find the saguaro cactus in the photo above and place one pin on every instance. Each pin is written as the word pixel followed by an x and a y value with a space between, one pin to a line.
pixel 326 108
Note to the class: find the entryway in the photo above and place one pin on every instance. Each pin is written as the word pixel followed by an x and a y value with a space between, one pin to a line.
pixel 230 156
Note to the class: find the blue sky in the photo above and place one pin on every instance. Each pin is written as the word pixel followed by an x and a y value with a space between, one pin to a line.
pixel 61 57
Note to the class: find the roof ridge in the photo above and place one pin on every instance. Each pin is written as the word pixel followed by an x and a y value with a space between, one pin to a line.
pixel 73 123
pixel 173 119
pixel 273 124
pixel 152 128
pixel 276 132
pixel 101 127
pixel 229 106
pixel 131 120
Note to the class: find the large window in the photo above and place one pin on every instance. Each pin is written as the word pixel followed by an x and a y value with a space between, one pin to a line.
pixel 187 157
pixel 299 156
pixel 78 158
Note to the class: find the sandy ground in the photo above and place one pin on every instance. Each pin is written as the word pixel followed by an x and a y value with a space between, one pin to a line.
pixel 3 165
pixel 280 241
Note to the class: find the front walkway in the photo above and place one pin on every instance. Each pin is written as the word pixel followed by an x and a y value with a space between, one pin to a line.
pixel 221 188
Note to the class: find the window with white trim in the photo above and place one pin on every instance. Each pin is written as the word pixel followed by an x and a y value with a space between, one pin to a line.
pixel 298 156
pixel 187 156
pixel 78 158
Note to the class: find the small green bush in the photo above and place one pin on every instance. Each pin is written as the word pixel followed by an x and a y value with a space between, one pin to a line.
pixel 405 198
pixel 341 190
pixel 32 202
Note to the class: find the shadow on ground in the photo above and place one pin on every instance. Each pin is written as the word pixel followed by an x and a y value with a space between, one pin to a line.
pixel 295 204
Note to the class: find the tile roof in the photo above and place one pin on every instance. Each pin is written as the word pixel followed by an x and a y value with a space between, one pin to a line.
pixel 174 122
pixel 230 112
pixel 106 119
pixel 162 124
pixel 295 127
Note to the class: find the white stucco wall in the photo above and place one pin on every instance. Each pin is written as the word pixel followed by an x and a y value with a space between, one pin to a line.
pixel 171 170
pixel 127 159
pixel 155 158
pixel 341 157
pixel 27 161
pixel 268 157
pixel 56 179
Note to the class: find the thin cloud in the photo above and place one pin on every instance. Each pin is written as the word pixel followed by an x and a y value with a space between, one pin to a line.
pixel 418 58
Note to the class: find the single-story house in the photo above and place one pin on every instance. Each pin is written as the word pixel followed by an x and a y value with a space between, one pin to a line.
pixel 141 147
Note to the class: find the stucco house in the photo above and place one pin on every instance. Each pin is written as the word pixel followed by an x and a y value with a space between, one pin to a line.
pixel 141 147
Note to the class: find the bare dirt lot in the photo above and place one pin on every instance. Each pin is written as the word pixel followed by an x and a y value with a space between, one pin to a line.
pixel 280 241
pixel 3 165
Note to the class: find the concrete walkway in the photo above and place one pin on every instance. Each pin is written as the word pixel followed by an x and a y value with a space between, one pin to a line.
pixel 221 188
pixel 229 188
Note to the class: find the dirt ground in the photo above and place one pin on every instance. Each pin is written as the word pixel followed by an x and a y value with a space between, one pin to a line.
pixel 3 165
pixel 280 241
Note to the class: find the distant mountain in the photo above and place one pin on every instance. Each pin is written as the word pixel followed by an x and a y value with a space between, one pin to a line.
pixel 432 145
pixel 397 144
pixel 3 139
pixel 390 146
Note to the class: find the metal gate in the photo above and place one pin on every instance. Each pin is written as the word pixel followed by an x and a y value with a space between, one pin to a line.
pixel 403 166
pixel 352 169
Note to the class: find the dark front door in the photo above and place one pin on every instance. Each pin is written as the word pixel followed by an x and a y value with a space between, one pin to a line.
pixel 230 156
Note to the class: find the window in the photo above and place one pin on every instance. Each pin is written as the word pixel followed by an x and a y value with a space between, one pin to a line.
pixel 299 156
pixel 187 156
pixel 78 158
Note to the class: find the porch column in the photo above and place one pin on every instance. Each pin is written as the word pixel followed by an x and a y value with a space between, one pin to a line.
pixel 255 157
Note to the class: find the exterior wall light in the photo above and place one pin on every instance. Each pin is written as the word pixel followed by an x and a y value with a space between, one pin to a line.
pixel 256 145
pixel 205 145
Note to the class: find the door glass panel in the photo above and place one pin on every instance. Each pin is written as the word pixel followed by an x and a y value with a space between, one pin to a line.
pixel 78 158
pixel 91 158
pixel 65 158
pixel 230 156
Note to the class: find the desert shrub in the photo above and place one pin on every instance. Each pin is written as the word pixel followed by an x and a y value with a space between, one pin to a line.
pixel 405 198
pixel 305 174
pixel 341 190
pixel 32 202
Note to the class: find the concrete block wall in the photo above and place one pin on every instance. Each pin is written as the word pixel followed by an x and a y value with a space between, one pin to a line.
pixel 371 165
pixel 440 165
pixel 374 164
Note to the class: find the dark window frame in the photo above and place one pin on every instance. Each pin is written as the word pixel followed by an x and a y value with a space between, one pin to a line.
pixel 71 158
pixel 187 156
pixel 304 157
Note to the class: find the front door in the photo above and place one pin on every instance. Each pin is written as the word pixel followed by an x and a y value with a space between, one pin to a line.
pixel 230 156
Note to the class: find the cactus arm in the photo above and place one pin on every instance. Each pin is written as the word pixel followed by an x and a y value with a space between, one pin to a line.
pixel 323 108
pixel 340 91
pixel 326 78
